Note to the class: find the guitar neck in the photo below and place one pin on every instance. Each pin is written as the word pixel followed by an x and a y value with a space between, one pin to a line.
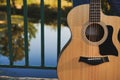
pixel 94 11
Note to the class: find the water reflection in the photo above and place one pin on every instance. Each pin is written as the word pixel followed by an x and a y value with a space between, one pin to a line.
pixel 50 46
pixel 35 53
pixel 34 33
pixel 17 38
pixel 35 46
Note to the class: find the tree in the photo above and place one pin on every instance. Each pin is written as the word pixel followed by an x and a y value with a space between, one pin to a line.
pixel 2 1
pixel 68 0
pixel 17 38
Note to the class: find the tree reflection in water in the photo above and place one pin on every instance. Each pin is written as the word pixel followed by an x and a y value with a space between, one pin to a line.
pixel 17 37
pixel 18 27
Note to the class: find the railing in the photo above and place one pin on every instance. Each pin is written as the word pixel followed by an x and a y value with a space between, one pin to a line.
pixel 11 65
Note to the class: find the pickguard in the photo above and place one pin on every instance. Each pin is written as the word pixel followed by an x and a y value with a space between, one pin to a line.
pixel 119 36
pixel 107 47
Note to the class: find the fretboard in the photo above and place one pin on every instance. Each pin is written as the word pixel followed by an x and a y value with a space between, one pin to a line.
pixel 94 11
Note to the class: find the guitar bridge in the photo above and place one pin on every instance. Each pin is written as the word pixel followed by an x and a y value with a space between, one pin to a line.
pixel 93 60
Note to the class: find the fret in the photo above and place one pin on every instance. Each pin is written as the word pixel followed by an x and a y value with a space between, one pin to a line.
pixel 97 2
pixel 94 16
pixel 94 9
pixel 94 12
pixel 94 20
pixel 94 3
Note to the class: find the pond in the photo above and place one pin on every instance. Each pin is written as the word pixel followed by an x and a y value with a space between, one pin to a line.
pixel 35 54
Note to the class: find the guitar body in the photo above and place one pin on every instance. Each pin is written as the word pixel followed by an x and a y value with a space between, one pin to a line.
pixel 70 67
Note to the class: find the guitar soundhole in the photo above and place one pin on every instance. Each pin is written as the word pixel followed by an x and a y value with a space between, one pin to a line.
pixel 94 32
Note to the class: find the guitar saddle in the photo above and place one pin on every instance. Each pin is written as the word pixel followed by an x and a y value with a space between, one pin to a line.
pixel 94 60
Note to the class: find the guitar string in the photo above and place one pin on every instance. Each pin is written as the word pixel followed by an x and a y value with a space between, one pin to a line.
pixel 94 31
pixel 95 25
pixel 96 20
pixel 90 23
pixel 94 14
pixel 93 17
pixel 90 28
pixel 90 32
pixel 93 6
pixel 91 37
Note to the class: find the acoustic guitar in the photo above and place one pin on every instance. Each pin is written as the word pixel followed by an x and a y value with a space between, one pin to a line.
pixel 94 48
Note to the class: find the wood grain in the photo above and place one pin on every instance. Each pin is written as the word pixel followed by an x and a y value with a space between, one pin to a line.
pixel 69 68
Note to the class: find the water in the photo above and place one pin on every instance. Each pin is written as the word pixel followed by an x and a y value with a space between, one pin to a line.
pixel 35 54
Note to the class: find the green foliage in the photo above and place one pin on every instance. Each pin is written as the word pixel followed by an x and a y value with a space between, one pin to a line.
pixel 17 37
pixel 105 7
pixel 68 0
